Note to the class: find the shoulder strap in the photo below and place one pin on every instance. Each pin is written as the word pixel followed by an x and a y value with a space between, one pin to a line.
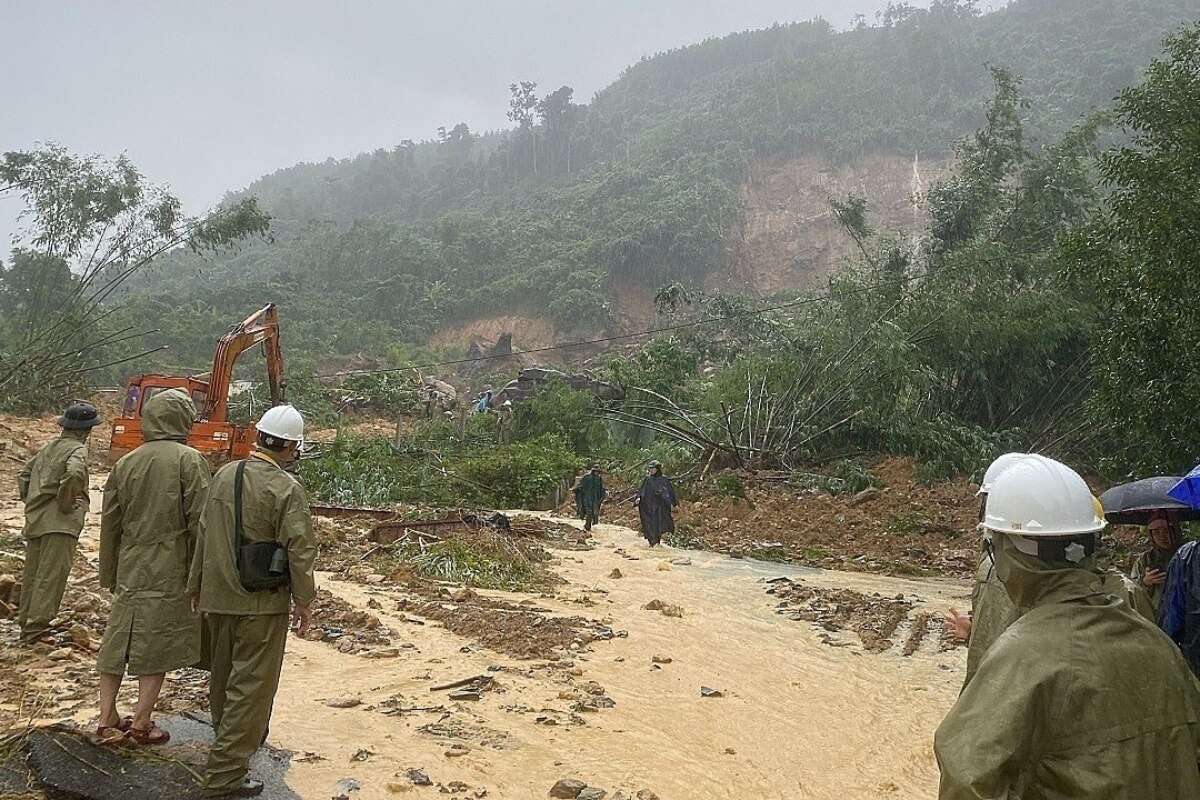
pixel 238 479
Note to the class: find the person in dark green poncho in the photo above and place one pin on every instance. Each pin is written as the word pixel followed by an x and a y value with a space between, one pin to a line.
pixel 589 495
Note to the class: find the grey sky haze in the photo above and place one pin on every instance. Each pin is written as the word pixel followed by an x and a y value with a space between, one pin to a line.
pixel 207 96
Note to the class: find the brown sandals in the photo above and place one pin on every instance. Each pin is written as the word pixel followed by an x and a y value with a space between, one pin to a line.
pixel 149 736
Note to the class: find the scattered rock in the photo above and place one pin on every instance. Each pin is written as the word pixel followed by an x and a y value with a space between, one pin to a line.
pixel 865 496
pixel 737 551
pixel 374 579
pixel 646 794
pixel 592 794
pixel 347 786
pixel 616 573
pixel 419 778
pixel 361 754
pixel 388 652
pixel 682 561
pixel 343 702
pixel 663 566
pixel 457 750
pixel 706 691
pixel 667 609
pixel 81 637
pixel 567 788
pixel 661 659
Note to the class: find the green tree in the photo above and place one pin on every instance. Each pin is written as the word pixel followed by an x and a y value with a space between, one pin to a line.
pixel 1142 257
pixel 89 225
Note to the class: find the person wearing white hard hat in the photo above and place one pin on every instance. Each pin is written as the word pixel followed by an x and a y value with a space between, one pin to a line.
pixel 253 564
pixel 991 609
pixel 1081 697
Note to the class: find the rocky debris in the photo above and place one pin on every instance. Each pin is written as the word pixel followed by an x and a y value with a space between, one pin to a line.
pixel 10 596
pixel 873 617
pixel 707 691
pixel 667 609
pixel 457 750
pixel 418 778
pixel 347 628
pixel 909 529
pixel 567 788
pixel 591 793
pixel 616 574
pixel 660 659
pixel 646 794
pixel 509 629
pixel 916 634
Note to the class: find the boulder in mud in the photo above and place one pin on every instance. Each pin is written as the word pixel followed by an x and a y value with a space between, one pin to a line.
pixel 567 788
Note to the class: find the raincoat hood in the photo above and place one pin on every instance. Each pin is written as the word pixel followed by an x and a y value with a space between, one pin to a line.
pixel 1031 581
pixel 168 415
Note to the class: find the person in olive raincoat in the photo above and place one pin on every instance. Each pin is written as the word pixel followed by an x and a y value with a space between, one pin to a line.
pixel 589 495
pixel 655 501
pixel 248 628
pixel 148 531
pixel 1080 698
pixel 54 488
pixel 1150 568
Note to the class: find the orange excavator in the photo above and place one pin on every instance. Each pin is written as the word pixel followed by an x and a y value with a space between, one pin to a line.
pixel 213 435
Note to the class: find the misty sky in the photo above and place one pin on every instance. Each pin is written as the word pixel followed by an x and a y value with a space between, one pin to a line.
pixel 207 96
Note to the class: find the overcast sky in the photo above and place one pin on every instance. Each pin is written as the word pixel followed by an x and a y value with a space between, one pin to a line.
pixel 207 96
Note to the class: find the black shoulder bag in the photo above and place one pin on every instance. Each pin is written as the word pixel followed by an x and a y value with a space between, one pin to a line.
pixel 260 565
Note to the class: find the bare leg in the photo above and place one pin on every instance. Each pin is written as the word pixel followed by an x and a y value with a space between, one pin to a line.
pixel 148 688
pixel 109 686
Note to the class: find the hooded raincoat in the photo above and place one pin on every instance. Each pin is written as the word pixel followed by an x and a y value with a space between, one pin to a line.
pixel 152 505
pixel 992 611
pixel 589 495
pixel 656 499
pixel 54 487
pixel 1080 699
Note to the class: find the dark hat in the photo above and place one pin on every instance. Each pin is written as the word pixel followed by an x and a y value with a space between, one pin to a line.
pixel 594 467
pixel 654 464
pixel 80 416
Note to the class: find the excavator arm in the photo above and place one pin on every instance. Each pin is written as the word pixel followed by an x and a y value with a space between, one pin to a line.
pixel 262 327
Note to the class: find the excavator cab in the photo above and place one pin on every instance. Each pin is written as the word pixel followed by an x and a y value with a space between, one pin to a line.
pixel 213 434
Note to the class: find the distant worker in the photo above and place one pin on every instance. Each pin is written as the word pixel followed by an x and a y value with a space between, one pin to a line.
pixel 148 532
pixel 505 421
pixel 483 403
pixel 1150 567
pixel 54 488
pixel 655 501
pixel 1080 697
pixel 589 495
pixel 253 562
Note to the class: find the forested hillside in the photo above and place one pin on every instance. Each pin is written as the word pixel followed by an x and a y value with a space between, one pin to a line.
pixel 637 186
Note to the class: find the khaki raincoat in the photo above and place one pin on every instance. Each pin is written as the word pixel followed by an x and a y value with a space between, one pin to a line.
pixel 152 505
pixel 1080 699
pixel 54 487
pixel 992 611
pixel 274 508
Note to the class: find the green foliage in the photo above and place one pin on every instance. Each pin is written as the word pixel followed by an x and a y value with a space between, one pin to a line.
pixel 440 469
pixel 570 414
pixel 638 187
pixel 91 225
pixel 1141 257
pixel 483 562
pixel 729 486
pixel 847 478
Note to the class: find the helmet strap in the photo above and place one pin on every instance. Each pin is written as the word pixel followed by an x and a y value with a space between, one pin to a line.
pixel 1071 549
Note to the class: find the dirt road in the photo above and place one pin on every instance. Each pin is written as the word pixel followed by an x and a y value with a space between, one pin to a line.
pixel 798 719
pixel 803 713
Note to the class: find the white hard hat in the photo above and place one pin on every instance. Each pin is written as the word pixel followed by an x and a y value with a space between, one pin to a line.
pixel 282 422
pixel 996 467
pixel 1037 497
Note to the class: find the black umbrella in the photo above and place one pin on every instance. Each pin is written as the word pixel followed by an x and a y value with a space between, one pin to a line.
pixel 1134 503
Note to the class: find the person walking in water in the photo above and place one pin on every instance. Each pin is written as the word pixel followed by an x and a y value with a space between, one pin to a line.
pixel 589 495
pixel 655 501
